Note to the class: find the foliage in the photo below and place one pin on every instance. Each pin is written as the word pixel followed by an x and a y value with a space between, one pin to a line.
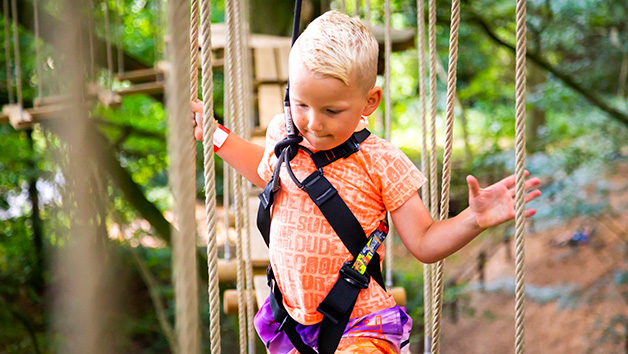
pixel 585 40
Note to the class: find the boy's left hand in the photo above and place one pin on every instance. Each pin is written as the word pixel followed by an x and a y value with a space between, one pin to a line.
pixel 495 204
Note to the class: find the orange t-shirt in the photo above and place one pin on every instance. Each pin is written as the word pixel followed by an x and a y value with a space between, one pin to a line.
pixel 305 252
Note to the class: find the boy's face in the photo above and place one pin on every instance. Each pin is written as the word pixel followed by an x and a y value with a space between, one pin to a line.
pixel 324 109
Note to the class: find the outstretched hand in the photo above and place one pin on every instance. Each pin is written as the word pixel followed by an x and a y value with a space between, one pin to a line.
pixel 495 204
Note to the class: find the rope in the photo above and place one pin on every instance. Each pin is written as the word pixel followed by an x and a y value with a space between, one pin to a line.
pixel 90 34
pixel 194 50
pixel 7 50
pixel 109 49
pixel 119 42
pixel 427 268
pixel 233 73
pixel 209 163
pixel 449 133
pixel 520 108
pixel 388 107
pixel 16 49
pixel 182 181
pixel 356 8
pixel 38 63
pixel 433 179
pixel 246 133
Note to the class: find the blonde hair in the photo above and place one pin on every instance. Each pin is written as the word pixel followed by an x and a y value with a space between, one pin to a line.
pixel 336 45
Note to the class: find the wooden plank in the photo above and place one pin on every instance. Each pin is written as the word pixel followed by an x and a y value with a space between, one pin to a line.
pixel 147 88
pixel 259 250
pixel 269 103
pixel 265 64
pixel 261 289
pixel 282 55
pixel 142 75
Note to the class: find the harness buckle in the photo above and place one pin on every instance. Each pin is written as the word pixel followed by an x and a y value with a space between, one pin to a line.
pixel 353 277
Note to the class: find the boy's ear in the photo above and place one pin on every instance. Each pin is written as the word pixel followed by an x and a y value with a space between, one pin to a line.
pixel 373 98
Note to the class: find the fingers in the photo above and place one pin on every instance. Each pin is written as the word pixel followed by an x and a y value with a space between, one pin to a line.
pixel 510 181
pixel 529 184
pixel 474 186
pixel 532 195
pixel 197 106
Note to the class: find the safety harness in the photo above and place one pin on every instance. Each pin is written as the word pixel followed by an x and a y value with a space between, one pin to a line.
pixel 354 275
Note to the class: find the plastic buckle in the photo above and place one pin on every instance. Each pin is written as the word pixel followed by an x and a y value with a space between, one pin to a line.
pixel 353 277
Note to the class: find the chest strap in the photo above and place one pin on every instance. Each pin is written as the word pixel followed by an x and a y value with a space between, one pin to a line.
pixel 338 304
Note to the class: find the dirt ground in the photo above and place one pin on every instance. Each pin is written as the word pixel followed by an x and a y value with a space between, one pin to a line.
pixel 576 296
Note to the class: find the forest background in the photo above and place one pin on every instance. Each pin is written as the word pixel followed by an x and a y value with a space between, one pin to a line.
pixel 577 105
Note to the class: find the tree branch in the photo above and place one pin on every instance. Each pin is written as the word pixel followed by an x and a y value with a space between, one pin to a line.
pixel 622 117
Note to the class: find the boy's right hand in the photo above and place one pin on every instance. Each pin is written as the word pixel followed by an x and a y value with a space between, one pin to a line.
pixel 197 119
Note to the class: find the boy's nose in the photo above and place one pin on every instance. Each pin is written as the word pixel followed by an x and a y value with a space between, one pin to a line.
pixel 314 122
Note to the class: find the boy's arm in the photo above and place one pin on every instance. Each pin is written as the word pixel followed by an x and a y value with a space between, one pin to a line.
pixel 431 241
pixel 243 155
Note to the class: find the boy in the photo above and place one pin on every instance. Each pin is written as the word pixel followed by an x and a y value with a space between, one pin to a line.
pixel 332 90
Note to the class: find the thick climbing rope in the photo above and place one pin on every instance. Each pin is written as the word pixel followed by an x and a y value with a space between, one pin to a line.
pixel 7 50
pixel 182 180
pixel 425 192
pixel 16 52
pixel 446 178
pixel 233 73
pixel 387 108
pixel 520 150
pixel 38 62
pixel 109 49
pixel 209 171
pixel 356 8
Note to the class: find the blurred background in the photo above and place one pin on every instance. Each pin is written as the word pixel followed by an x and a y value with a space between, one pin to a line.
pixel 577 144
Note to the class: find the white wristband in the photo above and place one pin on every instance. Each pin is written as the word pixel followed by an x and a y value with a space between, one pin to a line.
pixel 220 135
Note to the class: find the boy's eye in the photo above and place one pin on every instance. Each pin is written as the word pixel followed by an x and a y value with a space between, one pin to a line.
pixel 331 111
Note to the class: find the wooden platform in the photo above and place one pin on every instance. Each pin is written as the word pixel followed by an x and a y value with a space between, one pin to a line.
pixel 21 118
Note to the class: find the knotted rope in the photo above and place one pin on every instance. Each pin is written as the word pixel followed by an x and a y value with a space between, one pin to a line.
pixel 449 133
pixel 18 61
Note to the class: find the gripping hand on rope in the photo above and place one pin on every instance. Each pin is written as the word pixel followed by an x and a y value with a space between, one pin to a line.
pixel 239 153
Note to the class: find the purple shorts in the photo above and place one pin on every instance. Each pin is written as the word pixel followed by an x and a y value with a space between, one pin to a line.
pixel 392 325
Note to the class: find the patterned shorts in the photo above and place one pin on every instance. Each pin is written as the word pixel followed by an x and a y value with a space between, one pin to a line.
pixel 385 331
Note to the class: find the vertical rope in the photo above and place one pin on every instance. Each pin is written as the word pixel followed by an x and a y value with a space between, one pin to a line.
pixel 246 133
pixel 182 179
pixel 433 158
pixel 80 305
pixel 194 50
pixel 520 151
pixel 38 63
pixel 356 8
pixel 90 39
pixel 388 108
pixel 449 134
pixel 233 52
pixel 119 34
pixel 209 125
pixel 109 49
pixel 7 50
pixel 16 52
pixel 425 192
